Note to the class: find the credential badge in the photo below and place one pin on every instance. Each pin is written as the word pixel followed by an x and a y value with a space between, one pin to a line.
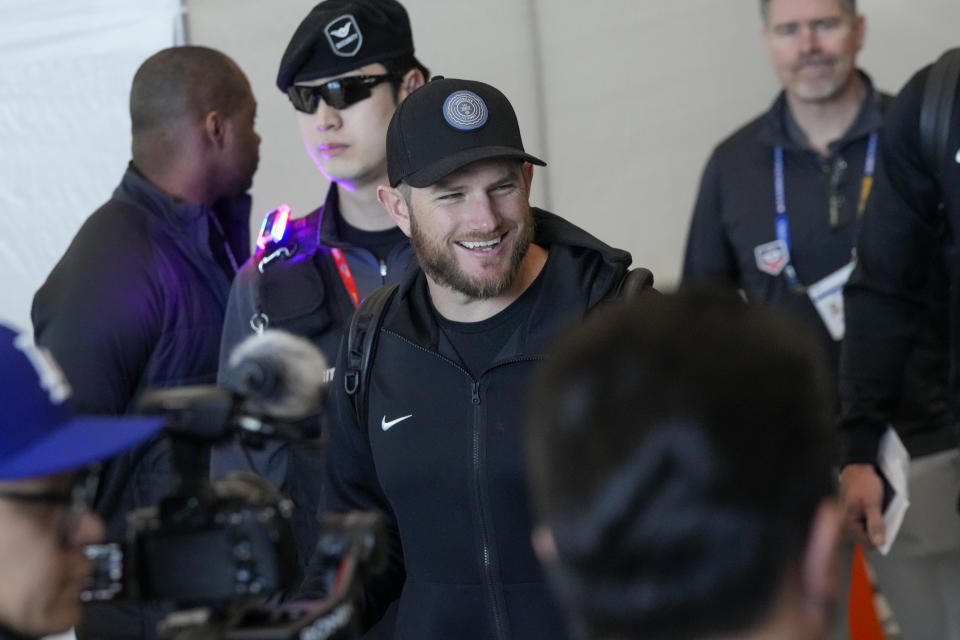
pixel 344 36
pixel 465 110
pixel 772 257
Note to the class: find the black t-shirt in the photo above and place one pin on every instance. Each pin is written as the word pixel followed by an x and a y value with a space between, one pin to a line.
pixel 476 345
pixel 379 243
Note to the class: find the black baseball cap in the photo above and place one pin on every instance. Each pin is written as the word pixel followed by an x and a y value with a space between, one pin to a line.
pixel 338 36
pixel 447 124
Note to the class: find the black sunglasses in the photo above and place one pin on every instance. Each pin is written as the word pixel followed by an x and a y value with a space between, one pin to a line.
pixel 339 93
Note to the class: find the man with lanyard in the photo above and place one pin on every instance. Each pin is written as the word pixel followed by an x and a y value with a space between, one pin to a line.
pixel 780 199
pixel 347 66
pixel 440 449
pixel 907 238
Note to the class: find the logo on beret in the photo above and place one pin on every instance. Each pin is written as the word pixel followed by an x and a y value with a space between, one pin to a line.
pixel 344 36
pixel 465 110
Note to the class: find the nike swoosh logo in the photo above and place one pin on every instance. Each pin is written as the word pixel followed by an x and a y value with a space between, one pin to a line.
pixel 386 425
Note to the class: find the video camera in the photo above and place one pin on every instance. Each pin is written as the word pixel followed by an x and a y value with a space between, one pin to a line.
pixel 223 552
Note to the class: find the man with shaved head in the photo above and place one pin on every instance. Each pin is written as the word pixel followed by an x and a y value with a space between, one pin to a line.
pixel 138 298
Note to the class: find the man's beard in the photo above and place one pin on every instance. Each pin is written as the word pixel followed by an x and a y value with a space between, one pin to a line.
pixel 439 262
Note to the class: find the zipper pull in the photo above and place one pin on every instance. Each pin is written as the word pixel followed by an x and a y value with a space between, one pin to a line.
pixel 383 268
pixel 475 390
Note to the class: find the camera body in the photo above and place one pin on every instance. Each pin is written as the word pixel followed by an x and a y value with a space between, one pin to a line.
pixel 224 552
pixel 224 541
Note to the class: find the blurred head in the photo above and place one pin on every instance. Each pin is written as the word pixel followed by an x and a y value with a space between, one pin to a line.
pixel 47 487
pixel 347 66
pixel 195 102
pixel 679 454
pixel 813 45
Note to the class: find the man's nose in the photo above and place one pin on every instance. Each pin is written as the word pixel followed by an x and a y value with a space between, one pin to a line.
pixel 89 530
pixel 483 214
pixel 326 118
pixel 809 40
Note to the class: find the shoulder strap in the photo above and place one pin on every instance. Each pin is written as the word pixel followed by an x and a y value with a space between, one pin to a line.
pixel 634 282
pixel 935 113
pixel 362 334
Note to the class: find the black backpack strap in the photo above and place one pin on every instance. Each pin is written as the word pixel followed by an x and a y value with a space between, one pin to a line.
pixel 362 334
pixel 935 113
pixel 634 282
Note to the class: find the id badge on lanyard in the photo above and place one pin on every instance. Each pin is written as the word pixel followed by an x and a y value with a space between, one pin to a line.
pixel 774 257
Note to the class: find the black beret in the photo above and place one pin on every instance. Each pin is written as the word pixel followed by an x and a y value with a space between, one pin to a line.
pixel 342 35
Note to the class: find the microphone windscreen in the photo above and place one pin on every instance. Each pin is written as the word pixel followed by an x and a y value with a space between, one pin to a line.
pixel 277 374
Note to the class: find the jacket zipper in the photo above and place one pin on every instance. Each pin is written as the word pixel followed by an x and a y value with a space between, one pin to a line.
pixel 487 555
pixel 491 567
pixel 488 558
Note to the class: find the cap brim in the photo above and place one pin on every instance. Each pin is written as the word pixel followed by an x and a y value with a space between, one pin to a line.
pixel 78 442
pixel 441 169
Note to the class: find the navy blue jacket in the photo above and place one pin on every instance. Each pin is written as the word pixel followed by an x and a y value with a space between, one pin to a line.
pixel 451 478
pixel 137 301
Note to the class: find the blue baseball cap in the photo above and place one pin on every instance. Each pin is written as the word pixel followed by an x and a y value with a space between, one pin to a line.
pixel 39 432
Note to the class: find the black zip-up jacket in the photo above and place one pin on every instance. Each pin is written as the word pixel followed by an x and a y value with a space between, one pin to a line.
pixel 907 256
pixel 302 294
pixel 137 301
pixel 442 455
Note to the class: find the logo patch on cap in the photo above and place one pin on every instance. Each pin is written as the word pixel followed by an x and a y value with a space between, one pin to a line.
pixel 465 110
pixel 51 375
pixel 344 36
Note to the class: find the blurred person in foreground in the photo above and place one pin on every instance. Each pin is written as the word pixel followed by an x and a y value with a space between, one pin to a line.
pixel 682 490
pixel 47 485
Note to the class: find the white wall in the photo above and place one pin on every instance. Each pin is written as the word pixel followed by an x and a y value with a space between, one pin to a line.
pixel 65 73
pixel 623 98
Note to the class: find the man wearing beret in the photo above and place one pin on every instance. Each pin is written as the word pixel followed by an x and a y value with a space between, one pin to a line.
pixel 347 66
pixel 439 450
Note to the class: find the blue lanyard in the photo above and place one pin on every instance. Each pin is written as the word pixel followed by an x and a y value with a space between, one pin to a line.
pixel 781 222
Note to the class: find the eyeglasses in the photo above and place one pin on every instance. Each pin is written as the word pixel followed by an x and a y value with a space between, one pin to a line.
pixel 339 93
pixel 75 502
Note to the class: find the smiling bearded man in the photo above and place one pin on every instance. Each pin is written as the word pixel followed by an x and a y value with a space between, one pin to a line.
pixel 441 431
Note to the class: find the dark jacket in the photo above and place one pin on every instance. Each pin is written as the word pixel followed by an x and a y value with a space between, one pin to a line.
pixel 137 301
pixel 450 478
pixel 735 213
pixel 735 209
pixel 907 258
pixel 302 294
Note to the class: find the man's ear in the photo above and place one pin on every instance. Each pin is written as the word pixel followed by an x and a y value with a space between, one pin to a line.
pixel 412 79
pixel 543 544
pixel 215 128
pixel 860 25
pixel 527 170
pixel 820 571
pixel 396 205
